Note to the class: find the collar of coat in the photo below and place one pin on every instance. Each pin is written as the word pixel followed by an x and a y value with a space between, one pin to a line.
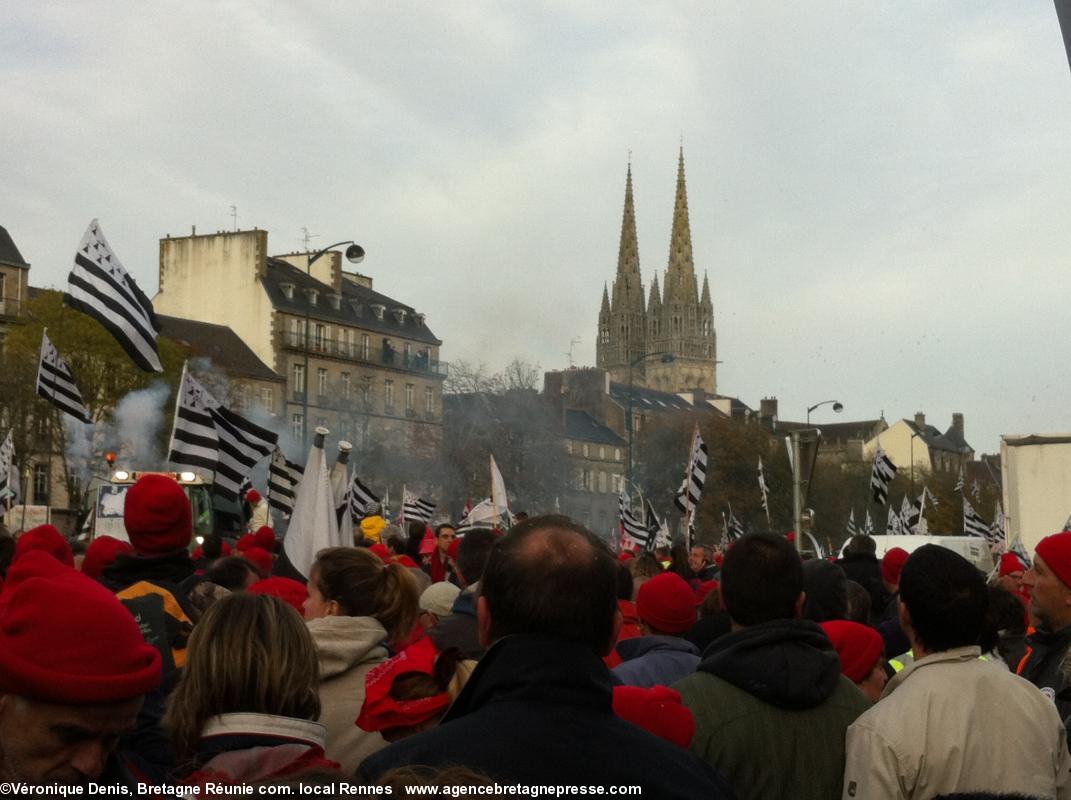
pixel 956 655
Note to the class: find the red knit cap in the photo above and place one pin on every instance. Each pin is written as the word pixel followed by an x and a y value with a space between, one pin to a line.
pixel 101 552
pixel 245 542
pixel 264 538
pixel 47 539
pixel 667 603
pixel 427 544
pixel 293 593
pixel 66 639
pixel 252 497
pixel 1009 563
pixel 380 710
pixel 381 552
pixel 1055 551
pixel 858 646
pixel 262 558
pixel 657 710
pixel 892 564
pixel 157 516
pixel 406 561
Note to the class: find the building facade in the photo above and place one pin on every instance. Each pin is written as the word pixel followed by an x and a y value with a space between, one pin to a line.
pixel 665 341
pixel 914 444
pixel 362 364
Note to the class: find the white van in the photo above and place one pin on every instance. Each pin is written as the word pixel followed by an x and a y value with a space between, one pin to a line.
pixel 972 548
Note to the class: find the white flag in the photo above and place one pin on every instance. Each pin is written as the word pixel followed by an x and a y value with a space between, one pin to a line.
pixel 498 492
pixel 313 525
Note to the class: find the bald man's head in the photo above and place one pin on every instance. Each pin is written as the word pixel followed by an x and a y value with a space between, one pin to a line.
pixel 551 576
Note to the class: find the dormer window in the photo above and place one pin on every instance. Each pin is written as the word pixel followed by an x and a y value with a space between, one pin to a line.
pixel 399 315
pixel 356 306
pixel 335 300
pixel 419 318
pixel 313 295
pixel 378 310
pixel 288 290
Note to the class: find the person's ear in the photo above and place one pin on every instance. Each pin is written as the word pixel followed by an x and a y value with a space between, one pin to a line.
pixel 333 609
pixel 483 621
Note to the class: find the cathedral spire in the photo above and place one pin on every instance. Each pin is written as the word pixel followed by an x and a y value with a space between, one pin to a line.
pixel 628 254
pixel 605 301
pixel 680 273
pixel 705 298
pixel 655 299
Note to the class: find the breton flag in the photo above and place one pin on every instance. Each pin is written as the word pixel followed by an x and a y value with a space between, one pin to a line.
pixel 100 287
pixel 658 531
pixel 283 477
pixel 868 525
pixel 211 436
pixel 973 525
pixel 997 532
pixel 416 509
pixel 894 526
pixel 632 526
pixel 765 492
pixel 56 384
pixel 691 488
pixel 734 529
pixel 976 490
pixel 1019 549
pixel 9 474
pixel 360 500
pixel 851 530
pixel 884 471
pixel 959 482
pixel 911 514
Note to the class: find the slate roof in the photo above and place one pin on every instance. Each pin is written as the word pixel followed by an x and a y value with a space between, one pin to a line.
pixel 219 343
pixel 580 425
pixel 647 399
pixel 9 253
pixel 863 429
pixel 355 308
pixel 936 440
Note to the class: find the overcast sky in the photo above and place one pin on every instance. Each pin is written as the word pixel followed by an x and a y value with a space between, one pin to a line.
pixel 879 192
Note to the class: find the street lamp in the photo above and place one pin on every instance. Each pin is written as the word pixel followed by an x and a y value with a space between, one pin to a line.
pixel 667 358
pixel 917 433
pixel 355 255
pixel 837 407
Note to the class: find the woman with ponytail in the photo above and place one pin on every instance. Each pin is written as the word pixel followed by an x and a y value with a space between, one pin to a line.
pixel 357 608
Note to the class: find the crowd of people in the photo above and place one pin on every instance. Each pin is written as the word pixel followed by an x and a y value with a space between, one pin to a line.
pixel 530 657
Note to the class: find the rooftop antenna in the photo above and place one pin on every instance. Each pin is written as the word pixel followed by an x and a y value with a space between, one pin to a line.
pixel 570 353
pixel 307 237
pixel 234 215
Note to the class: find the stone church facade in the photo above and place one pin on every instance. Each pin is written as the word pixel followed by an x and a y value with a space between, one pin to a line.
pixel 638 334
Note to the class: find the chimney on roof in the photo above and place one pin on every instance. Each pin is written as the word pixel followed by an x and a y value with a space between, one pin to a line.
pixel 768 411
pixel 920 420
pixel 957 423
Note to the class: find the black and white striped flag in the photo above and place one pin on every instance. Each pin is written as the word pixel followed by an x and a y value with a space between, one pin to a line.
pixel 283 478
pixel 997 531
pixel 868 525
pixel 959 482
pixel 973 525
pixel 360 499
pixel 100 287
pixel 765 490
pixel 211 436
pixel 734 528
pixel 912 514
pixel 633 526
pixel 691 489
pixel 416 509
pixel 9 475
pixel 56 384
pixel 851 529
pixel 884 472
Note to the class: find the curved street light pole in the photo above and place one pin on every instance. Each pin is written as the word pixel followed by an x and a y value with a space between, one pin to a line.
pixel 667 358
pixel 354 254
pixel 837 407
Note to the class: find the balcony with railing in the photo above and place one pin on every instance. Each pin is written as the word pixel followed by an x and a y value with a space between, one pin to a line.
pixel 376 355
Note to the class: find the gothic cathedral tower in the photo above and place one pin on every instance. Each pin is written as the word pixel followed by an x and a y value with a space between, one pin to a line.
pixel 678 320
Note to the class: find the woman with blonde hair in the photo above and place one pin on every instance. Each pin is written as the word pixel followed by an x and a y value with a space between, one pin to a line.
pixel 251 674
pixel 357 607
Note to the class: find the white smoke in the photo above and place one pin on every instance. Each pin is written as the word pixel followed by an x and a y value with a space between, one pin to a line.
pixel 136 427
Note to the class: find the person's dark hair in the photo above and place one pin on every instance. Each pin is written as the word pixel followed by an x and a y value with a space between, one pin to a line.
pixel 761 579
pixel 861 545
pixel 472 554
pixel 415 533
pixel 946 598
pixel 858 603
pixel 711 605
pixel 1003 618
pixel 364 586
pixel 551 576
pixel 625 586
pixel 678 561
pixel 443 526
pixel 827 591
pixel 232 572
pixel 212 546
pixel 396 544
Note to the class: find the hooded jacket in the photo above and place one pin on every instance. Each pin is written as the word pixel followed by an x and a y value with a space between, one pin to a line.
pixel 460 629
pixel 348 648
pixel 538 710
pixel 866 571
pixel 1042 665
pixel 771 709
pixel 974 730
pixel 655 661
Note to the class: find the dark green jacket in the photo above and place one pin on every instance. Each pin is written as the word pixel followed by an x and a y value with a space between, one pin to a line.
pixel 771 710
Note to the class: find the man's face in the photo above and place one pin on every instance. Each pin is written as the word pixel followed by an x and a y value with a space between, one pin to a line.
pixel 44 743
pixel 1050 599
pixel 444 539
pixel 697 559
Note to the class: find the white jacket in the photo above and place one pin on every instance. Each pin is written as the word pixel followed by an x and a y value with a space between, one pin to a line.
pixel 952 723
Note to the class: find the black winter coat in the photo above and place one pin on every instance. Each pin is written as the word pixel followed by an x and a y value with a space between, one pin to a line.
pixel 537 710
pixel 1042 666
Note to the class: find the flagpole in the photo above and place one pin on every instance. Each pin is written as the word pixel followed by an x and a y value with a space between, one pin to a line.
pixel 178 405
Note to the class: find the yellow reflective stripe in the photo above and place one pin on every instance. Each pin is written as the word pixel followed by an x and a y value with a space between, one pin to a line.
pixel 896 665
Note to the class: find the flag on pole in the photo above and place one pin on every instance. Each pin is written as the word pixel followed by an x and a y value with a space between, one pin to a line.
pixel 9 474
pixel 959 482
pixel 242 445
pixel 657 530
pixel 973 525
pixel 360 499
pixel 100 287
pixel 631 525
pixel 416 509
pixel 911 513
pixel 695 476
pixel 765 490
pixel 884 472
pixel 868 525
pixel 313 524
pixel 976 490
pixel 852 530
pixel 283 477
pixel 55 382
pixel 734 526
pixel 997 532
pixel 893 524
pixel 194 441
pixel 499 498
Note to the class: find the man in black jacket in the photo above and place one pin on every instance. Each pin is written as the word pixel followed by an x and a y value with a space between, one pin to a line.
pixel 538 708
pixel 1049 583
pixel 460 629
pixel 860 564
